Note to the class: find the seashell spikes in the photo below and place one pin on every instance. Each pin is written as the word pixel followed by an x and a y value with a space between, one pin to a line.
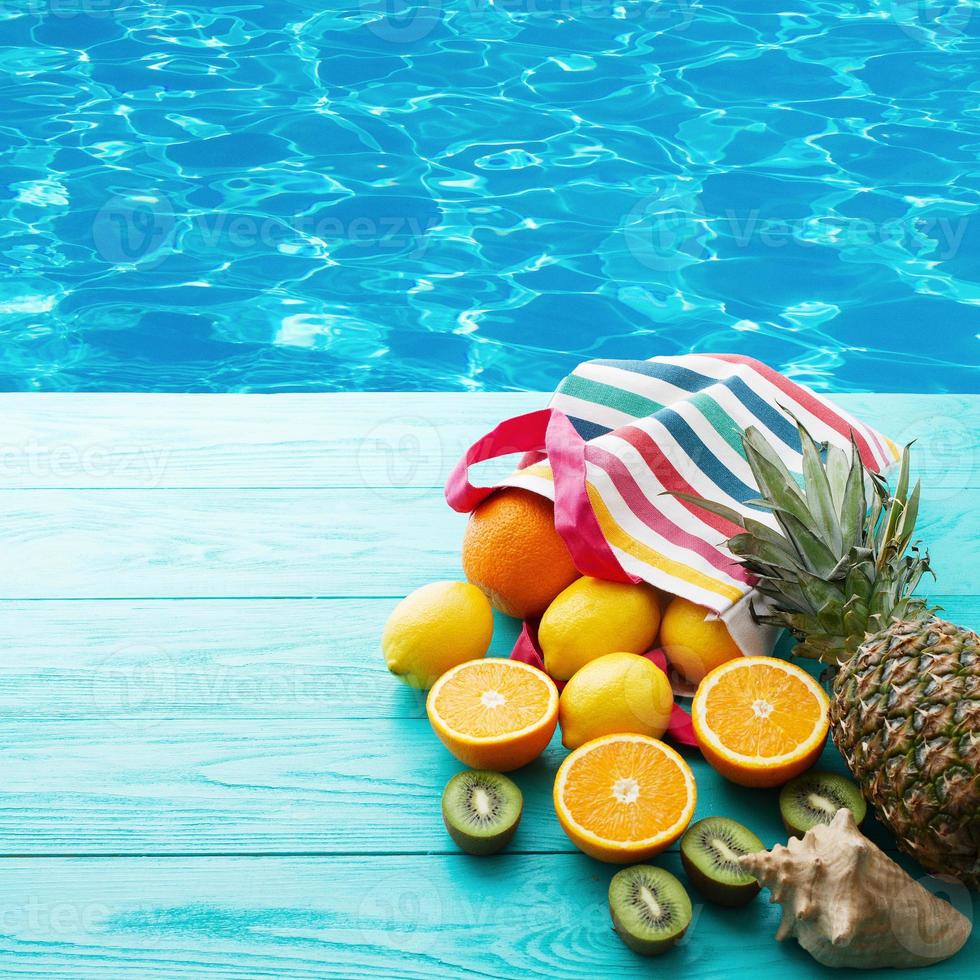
pixel 849 905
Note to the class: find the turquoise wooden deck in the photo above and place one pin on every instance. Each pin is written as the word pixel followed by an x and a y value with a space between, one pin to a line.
pixel 206 771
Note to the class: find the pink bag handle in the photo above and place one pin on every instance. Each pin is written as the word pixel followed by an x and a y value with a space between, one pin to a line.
pixel 547 430
pixel 550 431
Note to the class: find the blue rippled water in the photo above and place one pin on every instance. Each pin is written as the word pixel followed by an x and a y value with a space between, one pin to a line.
pixel 466 194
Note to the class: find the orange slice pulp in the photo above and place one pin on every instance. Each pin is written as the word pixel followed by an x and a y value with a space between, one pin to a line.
pixel 624 798
pixel 760 721
pixel 494 714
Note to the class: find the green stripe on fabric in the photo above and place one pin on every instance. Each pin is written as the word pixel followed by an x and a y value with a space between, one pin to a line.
pixel 720 421
pixel 639 406
pixel 610 397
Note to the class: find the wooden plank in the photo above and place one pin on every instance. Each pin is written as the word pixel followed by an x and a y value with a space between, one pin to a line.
pixel 145 659
pixel 212 658
pixel 405 440
pixel 275 785
pixel 279 543
pixel 416 918
pixel 145 726
pixel 223 543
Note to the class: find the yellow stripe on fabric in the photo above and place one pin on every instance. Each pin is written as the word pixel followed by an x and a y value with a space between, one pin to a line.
pixel 541 470
pixel 615 535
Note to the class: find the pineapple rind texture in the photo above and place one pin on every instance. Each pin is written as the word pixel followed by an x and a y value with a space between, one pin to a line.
pixel 906 717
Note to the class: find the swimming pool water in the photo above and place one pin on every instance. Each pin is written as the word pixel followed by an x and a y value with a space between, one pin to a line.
pixel 466 194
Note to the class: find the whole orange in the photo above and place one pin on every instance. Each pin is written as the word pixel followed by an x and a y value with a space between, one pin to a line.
pixel 514 554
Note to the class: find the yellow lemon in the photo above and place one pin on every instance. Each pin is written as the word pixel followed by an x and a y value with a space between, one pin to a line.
pixel 694 643
pixel 437 627
pixel 592 618
pixel 620 693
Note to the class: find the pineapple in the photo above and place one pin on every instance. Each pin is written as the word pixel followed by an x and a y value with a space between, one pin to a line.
pixel 839 574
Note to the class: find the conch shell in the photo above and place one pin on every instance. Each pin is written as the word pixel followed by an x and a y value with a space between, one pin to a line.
pixel 849 905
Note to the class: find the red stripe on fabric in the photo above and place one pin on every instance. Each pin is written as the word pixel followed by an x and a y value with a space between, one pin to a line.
pixel 523 433
pixel 575 520
pixel 878 439
pixel 680 728
pixel 547 430
pixel 656 520
pixel 810 402
pixel 665 471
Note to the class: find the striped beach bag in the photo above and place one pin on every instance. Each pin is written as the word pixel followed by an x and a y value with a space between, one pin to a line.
pixel 620 436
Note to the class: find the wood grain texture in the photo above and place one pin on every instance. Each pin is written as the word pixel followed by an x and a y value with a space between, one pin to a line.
pixel 281 543
pixel 407 441
pixel 412 918
pixel 278 785
pixel 174 659
pixel 138 716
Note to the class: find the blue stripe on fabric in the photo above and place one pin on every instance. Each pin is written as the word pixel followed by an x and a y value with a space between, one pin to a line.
pixel 588 430
pixel 689 380
pixel 704 458
pixel 773 420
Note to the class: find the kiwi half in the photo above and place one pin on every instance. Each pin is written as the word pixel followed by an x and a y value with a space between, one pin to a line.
pixel 710 850
pixel 481 810
pixel 649 907
pixel 815 797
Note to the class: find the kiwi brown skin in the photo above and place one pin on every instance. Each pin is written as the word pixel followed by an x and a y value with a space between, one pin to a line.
pixel 645 947
pixel 730 894
pixel 480 844
pixel 681 907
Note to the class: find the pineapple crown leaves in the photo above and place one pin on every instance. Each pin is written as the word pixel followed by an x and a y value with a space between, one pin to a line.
pixel 838 567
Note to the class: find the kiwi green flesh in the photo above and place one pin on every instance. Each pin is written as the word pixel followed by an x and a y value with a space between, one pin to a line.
pixel 650 908
pixel 710 850
pixel 481 810
pixel 815 797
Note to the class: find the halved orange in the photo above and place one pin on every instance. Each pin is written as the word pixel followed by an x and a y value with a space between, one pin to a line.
pixel 760 721
pixel 624 798
pixel 494 714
